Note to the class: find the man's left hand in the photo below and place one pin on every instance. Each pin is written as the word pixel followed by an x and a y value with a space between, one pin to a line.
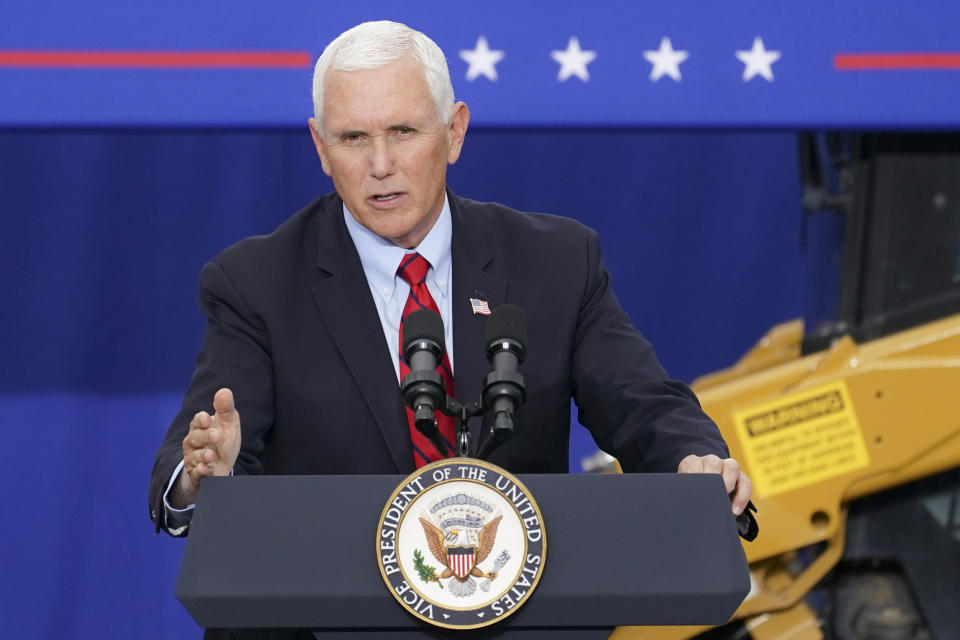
pixel 737 483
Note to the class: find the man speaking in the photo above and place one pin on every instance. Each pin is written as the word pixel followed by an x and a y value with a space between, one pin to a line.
pixel 302 356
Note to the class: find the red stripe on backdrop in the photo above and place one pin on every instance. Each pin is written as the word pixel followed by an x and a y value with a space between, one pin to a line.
pixel 895 61
pixel 156 59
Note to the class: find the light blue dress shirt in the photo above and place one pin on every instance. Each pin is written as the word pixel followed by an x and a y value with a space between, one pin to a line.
pixel 380 259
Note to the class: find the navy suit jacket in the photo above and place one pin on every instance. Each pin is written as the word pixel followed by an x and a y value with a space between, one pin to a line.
pixel 292 329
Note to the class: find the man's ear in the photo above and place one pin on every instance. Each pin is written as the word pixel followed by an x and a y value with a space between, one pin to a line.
pixel 458 130
pixel 318 143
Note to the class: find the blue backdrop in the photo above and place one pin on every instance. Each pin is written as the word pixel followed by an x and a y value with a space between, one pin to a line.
pixel 103 231
pixel 750 63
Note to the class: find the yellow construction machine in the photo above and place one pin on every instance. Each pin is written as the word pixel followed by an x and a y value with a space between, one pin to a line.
pixel 851 435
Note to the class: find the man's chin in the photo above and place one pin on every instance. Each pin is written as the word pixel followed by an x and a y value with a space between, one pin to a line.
pixel 402 235
pixel 402 226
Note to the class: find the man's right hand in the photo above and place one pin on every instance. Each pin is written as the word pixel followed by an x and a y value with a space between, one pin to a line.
pixel 209 449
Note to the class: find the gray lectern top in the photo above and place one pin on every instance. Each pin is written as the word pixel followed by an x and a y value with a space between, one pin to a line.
pixel 298 551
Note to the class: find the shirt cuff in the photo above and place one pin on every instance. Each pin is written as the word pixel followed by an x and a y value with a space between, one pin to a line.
pixel 175 521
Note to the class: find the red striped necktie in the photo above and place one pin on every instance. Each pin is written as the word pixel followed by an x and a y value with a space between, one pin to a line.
pixel 413 269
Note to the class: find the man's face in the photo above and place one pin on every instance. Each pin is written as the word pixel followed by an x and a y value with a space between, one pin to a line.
pixel 387 149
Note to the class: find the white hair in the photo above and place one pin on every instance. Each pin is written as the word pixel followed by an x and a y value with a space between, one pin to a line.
pixel 372 45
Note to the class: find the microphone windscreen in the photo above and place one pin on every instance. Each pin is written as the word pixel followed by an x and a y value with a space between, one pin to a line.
pixel 507 322
pixel 423 324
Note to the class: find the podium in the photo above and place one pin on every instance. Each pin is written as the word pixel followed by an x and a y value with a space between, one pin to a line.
pixel 299 551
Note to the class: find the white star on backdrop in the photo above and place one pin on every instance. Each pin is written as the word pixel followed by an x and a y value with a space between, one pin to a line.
pixel 482 60
pixel 573 61
pixel 758 61
pixel 665 61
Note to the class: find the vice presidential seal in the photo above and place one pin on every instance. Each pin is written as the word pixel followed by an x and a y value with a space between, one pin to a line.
pixel 461 543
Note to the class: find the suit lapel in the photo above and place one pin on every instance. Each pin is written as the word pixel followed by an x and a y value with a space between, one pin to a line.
pixel 344 300
pixel 472 256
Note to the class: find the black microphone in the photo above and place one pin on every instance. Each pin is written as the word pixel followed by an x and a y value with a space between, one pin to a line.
pixel 747 525
pixel 506 348
pixel 422 388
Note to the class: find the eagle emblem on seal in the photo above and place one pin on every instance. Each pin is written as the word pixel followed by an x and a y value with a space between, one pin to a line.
pixel 460 537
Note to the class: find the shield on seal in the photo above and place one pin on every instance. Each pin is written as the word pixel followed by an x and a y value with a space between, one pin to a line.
pixel 460 560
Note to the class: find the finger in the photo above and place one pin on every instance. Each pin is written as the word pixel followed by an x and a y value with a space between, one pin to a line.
pixel 712 464
pixel 206 453
pixel 742 496
pixel 195 458
pixel 193 473
pixel 691 464
pixel 201 420
pixel 200 438
pixel 205 466
pixel 224 406
pixel 195 439
pixel 730 471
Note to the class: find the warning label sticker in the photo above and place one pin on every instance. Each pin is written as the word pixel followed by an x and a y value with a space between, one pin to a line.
pixel 801 439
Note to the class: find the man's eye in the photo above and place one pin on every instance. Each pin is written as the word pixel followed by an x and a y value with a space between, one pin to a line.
pixel 353 137
pixel 404 130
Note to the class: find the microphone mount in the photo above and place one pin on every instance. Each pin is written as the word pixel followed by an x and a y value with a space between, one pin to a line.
pixel 424 392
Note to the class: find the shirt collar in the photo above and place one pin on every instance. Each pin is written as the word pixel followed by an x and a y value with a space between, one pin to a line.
pixel 380 257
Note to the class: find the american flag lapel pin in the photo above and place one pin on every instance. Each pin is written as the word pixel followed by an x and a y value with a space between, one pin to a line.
pixel 480 307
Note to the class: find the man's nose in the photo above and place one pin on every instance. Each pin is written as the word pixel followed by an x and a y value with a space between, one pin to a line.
pixel 381 158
